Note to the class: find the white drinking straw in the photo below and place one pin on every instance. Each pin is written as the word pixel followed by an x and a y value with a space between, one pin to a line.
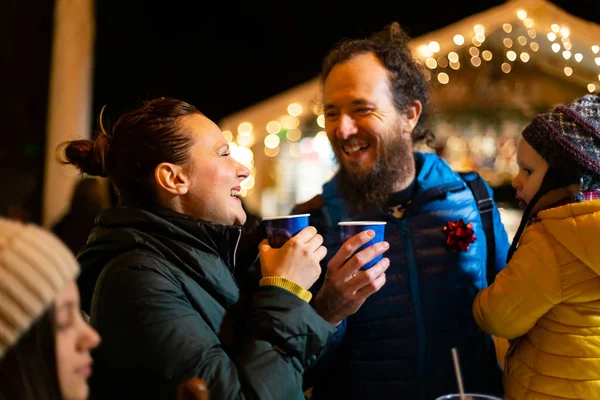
pixel 461 389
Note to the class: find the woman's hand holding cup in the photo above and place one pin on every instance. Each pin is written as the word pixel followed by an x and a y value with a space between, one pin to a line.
pixel 297 260
pixel 292 250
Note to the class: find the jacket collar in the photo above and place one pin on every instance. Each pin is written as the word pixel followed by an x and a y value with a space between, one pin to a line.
pixel 221 239
pixel 434 179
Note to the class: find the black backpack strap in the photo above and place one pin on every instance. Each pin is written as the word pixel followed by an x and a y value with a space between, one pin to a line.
pixel 485 205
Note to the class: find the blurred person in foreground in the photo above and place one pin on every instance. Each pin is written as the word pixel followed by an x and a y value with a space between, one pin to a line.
pixel 398 344
pixel 45 343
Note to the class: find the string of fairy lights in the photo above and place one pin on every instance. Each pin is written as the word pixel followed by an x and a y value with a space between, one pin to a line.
pixel 521 40
pixel 515 49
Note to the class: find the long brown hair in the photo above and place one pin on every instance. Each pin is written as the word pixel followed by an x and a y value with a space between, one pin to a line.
pixel 129 153
pixel 28 370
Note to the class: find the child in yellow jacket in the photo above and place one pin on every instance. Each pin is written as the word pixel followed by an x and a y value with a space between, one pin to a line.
pixel 547 299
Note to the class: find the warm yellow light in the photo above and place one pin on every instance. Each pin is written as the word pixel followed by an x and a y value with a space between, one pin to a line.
pixel 475 42
pixel 431 63
pixel 248 183
pixel 524 57
pixel 505 68
pixel 294 150
pixel 487 55
pixel 568 71
pixel 427 75
pixel 474 51
pixel 476 61
pixel 245 128
pixel 534 46
pixel 245 140
pixel 293 135
pixel 578 57
pixel 321 121
pixel 434 46
pixel 528 23
pixel 599 77
pixel 273 127
pixel 321 144
pixel 522 40
pixel 508 42
pixel 228 136
pixel 290 122
pixel 597 60
pixel 532 33
pixel 453 57
pixel 455 65
pixel 271 152
pixel 565 32
pixel 511 55
pixel 317 108
pixel 555 28
pixel 591 88
pixel 459 40
pixel 424 51
pixel 479 28
pixel 566 54
pixel 480 37
pixel 551 36
pixel 555 47
pixel 595 49
pixel 443 78
pixel 567 45
pixel 507 28
pixel 271 141
pixel 442 61
pixel 294 109
pixel 521 14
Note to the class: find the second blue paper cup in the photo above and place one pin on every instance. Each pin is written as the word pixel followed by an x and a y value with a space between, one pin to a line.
pixel 351 228
pixel 280 229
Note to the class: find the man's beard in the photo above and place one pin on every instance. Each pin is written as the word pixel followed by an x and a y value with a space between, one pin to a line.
pixel 395 162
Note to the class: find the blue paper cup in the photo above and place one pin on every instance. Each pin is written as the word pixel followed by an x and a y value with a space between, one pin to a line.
pixel 280 229
pixel 351 228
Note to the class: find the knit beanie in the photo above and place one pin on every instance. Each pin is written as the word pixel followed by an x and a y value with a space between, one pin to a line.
pixel 568 138
pixel 34 267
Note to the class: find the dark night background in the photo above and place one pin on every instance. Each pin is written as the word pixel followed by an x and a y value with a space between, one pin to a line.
pixel 221 56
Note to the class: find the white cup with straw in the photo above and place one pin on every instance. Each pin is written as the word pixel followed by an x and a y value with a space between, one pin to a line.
pixel 461 389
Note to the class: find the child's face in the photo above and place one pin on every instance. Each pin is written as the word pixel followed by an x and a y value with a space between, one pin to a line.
pixel 532 168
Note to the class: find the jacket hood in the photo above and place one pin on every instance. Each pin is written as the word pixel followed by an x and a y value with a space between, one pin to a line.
pixel 577 227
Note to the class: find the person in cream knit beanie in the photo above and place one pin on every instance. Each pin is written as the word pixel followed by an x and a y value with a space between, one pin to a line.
pixel 45 343
pixel 34 266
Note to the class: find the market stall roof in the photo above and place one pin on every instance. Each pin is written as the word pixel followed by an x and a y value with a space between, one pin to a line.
pixel 567 47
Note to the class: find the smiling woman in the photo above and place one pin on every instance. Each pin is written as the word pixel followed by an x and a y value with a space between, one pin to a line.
pixel 160 268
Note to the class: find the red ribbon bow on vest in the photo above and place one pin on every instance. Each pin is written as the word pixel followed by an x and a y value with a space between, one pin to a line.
pixel 459 235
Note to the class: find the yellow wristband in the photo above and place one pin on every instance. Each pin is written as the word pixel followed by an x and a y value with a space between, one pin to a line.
pixel 288 285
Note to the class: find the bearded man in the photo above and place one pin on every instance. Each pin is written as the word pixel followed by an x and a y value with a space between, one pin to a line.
pixel 397 344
